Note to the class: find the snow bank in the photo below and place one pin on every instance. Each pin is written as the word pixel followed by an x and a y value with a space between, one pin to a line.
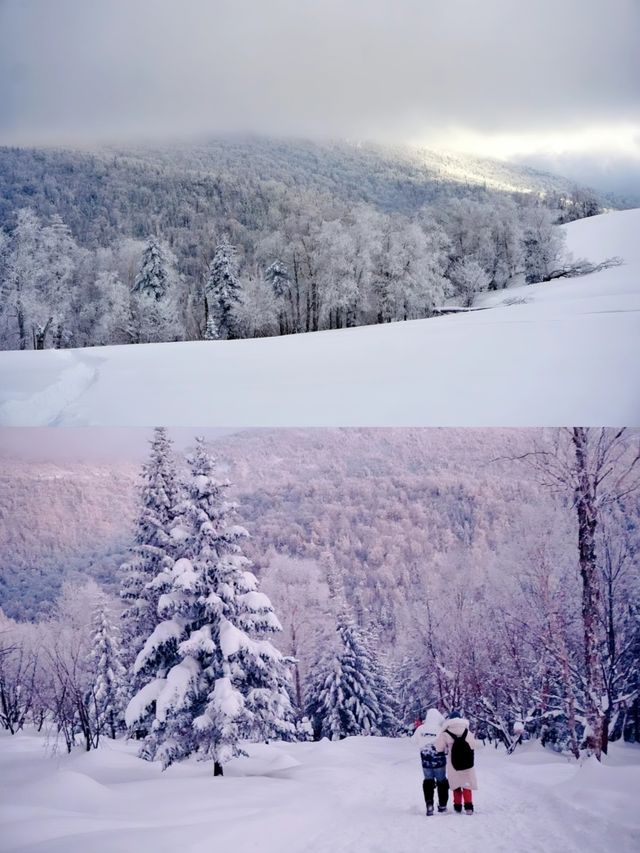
pixel 548 354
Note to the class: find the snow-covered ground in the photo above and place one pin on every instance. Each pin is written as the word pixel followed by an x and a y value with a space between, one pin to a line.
pixel 362 795
pixel 549 354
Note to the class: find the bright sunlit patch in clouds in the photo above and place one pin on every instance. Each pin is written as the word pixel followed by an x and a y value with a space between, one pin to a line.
pixel 620 139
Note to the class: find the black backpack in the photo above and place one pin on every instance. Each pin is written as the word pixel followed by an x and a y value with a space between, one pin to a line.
pixel 461 752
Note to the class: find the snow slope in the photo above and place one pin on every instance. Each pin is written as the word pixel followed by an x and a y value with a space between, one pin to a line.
pixel 361 795
pixel 548 354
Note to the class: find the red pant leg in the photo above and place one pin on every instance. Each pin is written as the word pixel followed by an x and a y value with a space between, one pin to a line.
pixel 457 796
pixel 467 793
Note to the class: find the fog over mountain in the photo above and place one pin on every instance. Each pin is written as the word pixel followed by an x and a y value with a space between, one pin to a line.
pixel 456 75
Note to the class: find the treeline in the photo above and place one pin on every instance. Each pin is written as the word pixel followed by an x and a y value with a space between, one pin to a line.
pixel 98 250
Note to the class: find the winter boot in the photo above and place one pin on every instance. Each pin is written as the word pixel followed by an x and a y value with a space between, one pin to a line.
pixel 468 808
pixel 457 807
pixel 429 809
pixel 442 809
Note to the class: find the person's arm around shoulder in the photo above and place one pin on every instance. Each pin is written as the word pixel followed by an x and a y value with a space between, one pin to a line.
pixel 441 743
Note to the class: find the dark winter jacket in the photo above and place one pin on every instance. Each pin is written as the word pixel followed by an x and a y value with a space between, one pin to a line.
pixel 431 758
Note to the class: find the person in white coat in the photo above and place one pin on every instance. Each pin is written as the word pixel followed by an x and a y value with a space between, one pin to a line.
pixel 459 743
pixel 433 761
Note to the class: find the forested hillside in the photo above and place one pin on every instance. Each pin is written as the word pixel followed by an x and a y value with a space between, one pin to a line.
pixel 385 501
pixel 253 237
pixel 457 558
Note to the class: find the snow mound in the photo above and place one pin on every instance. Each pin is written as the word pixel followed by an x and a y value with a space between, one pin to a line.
pixel 68 790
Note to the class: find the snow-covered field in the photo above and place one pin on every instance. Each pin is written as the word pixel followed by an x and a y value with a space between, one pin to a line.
pixel 549 354
pixel 361 795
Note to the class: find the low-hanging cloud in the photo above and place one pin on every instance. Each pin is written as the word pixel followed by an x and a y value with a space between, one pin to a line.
pixel 83 70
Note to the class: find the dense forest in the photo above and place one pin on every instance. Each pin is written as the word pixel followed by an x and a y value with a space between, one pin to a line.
pixel 449 559
pixel 248 238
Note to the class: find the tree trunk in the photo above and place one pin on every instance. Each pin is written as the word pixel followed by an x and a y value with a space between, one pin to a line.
pixel 22 332
pixel 585 503
pixel 217 769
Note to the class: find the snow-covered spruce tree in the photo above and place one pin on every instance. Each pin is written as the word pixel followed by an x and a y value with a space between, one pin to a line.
pixel 349 692
pixel 213 678
pixel 153 277
pixel 277 276
pixel 222 293
pixel 211 333
pixel 153 550
pixel 155 298
pixel 107 673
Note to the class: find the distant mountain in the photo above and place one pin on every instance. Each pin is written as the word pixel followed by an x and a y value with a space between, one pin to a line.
pixel 107 193
pixel 61 521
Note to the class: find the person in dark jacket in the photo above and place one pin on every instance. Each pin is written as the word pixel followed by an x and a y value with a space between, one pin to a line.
pixel 433 762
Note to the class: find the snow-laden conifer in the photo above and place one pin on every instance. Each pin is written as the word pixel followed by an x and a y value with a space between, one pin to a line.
pixel 153 277
pixel 223 293
pixel 107 673
pixel 153 550
pixel 156 300
pixel 349 692
pixel 213 677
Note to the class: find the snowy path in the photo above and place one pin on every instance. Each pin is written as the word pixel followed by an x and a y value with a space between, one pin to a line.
pixel 565 352
pixel 358 796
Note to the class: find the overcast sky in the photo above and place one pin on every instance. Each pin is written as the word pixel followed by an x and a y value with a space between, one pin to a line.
pixel 554 80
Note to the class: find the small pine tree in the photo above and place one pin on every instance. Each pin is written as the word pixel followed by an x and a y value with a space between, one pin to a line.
pixel 216 680
pixel 153 278
pixel 153 550
pixel 212 332
pixel 107 673
pixel 223 292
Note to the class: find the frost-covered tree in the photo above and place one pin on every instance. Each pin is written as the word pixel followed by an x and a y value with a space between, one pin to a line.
pixel 223 291
pixel 156 301
pixel 349 691
pixel 468 278
pixel 214 678
pixel 257 315
pixel 153 277
pixel 407 278
pixel 107 674
pixel 153 550
pixel 62 256
pixel 543 245
pixel 343 697
pixel 23 277
pixel 113 320
pixel 279 280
